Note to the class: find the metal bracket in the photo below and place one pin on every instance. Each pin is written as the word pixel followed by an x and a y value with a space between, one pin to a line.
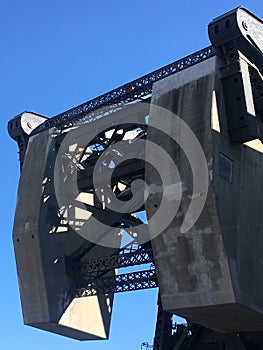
pixel 239 103
pixel 237 39
pixel 20 127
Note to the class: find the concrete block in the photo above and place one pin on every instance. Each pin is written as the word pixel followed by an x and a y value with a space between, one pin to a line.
pixel 42 245
pixel 213 273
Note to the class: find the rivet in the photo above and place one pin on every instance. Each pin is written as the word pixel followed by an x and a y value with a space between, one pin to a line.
pixel 245 26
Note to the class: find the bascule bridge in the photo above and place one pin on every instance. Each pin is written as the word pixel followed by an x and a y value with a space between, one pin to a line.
pixel 164 173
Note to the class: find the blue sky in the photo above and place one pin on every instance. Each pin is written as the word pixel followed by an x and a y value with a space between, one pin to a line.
pixel 58 54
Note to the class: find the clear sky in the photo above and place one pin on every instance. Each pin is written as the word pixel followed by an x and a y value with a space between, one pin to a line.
pixel 56 54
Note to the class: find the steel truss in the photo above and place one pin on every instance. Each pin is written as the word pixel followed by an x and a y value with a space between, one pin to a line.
pixel 93 275
pixel 121 283
pixel 105 263
pixel 135 90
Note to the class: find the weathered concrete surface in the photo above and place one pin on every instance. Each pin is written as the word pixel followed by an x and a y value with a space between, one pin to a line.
pixel 212 274
pixel 41 245
pixel 52 222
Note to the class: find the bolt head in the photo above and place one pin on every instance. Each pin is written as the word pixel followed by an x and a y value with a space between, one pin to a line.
pixel 245 26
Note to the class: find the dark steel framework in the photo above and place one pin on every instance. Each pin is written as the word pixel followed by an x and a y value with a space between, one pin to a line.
pixel 120 283
pixel 94 278
pixel 90 275
pixel 137 89
pixel 133 257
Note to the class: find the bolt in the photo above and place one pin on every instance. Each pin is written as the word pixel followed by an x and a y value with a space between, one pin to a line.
pixel 245 26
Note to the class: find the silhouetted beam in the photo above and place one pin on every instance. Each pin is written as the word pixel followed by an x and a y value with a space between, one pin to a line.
pixel 104 263
pixel 121 283
pixel 135 90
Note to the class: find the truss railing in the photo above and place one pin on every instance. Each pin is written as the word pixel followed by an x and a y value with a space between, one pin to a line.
pixel 135 90
pixel 121 283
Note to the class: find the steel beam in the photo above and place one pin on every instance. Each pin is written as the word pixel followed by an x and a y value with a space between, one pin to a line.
pixel 135 90
pixel 105 263
pixel 121 283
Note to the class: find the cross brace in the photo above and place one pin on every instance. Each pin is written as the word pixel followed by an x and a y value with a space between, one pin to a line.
pixel 121 283
pixel 132 91
pixel 105 263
